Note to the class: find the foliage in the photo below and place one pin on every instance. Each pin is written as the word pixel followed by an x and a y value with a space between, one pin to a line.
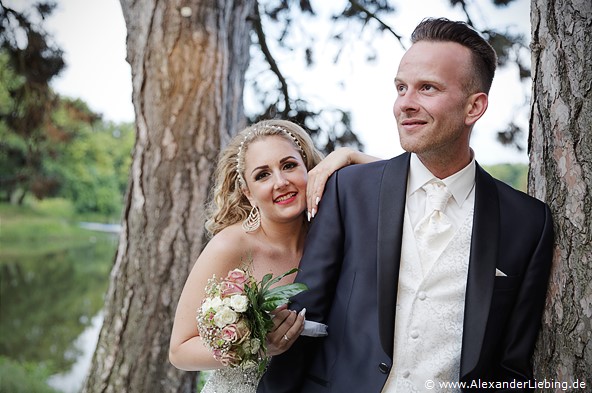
pixel 29 60
pixel 90 166
pixel 93 167
pixel 52 145
pixel 16 377
pixel 515 175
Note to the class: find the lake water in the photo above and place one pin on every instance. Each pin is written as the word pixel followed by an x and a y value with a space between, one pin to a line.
pixel 71 381
pixel 51 306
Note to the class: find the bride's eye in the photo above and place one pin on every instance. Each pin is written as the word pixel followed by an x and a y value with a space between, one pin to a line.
pixel 290 165
pixel 261 175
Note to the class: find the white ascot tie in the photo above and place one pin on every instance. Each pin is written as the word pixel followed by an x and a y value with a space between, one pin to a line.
pixel 434 230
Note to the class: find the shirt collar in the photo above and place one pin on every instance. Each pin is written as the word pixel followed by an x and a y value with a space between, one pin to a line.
pixel 459 184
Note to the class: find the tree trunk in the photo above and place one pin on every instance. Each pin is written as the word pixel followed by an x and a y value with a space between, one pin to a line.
pixel 188 60
pixel 561 174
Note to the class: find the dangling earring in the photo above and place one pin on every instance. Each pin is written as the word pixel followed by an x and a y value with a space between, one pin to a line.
pixel 253 221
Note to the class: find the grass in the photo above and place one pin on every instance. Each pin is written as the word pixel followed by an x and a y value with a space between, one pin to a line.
pixel 38 228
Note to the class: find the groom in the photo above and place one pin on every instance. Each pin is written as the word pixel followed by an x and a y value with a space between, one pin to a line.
pixel 425 268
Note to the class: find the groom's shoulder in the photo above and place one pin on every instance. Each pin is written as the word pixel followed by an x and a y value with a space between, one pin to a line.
pixel 372 171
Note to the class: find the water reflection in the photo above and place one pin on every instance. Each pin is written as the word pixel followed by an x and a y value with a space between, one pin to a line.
pixel 49 300
pixel 72 380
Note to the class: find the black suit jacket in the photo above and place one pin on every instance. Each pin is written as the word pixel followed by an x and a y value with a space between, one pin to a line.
pixel 351 266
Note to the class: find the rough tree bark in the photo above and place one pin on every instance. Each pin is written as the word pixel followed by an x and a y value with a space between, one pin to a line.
pixel 561 174
pixel 188 61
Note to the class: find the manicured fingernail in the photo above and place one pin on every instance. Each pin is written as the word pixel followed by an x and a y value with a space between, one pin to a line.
pixel 308 215
pixel 314 211
pixel 317 201
pixel 303 312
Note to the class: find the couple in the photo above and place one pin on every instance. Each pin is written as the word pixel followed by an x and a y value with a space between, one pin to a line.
pixel 407 304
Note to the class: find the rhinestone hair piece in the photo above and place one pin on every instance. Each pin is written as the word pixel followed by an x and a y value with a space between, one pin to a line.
pixel 273 127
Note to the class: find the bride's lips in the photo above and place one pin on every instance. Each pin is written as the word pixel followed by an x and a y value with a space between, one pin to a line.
pixel 285 198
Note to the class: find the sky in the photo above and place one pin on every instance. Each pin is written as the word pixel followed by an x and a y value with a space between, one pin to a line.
pixel 92 34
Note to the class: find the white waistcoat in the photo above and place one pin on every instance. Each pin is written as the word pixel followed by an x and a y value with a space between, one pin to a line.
pixel 429 314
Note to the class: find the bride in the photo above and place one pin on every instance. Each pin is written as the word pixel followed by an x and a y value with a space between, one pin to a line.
pixel 257 214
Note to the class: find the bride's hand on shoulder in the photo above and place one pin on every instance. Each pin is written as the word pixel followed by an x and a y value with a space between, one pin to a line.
pixel 287 327
pixel 318 176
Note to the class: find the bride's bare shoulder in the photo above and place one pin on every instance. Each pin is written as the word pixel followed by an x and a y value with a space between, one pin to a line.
pixel 231 240
pixel 228 249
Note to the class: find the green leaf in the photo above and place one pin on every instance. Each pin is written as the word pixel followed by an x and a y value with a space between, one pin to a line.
pixel 265 280
pixel 287 290
pixel 280 295
pixel 268 283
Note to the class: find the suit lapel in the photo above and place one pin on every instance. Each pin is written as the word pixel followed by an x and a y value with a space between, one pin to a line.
pixel 393 187
pixel 482 263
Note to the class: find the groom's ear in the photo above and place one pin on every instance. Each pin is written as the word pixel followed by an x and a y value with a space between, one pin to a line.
pixel 476 106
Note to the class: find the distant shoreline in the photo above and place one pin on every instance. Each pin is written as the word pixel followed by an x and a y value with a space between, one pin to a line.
pixel 99 227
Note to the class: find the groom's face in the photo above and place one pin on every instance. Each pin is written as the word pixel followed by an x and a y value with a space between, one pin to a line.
pixel 432 97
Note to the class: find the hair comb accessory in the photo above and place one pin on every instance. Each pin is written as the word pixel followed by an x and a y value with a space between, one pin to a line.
pixel 291 135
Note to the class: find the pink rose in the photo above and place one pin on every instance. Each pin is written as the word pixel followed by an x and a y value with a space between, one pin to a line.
pixel 234 283
pixel 230 333
pixel 236 332
pixel 228 289
pixel 237 276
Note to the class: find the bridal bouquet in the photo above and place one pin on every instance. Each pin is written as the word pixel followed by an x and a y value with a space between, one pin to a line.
pixel 234 318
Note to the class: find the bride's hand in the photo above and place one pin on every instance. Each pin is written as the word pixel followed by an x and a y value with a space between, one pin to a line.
pixel 287 327
pixel 317 176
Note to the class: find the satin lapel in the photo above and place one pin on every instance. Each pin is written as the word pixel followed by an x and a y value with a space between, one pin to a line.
pixel 393 187
pixel 482 263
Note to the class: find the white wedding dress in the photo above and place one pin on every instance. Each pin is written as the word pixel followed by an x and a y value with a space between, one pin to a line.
pixel 232 380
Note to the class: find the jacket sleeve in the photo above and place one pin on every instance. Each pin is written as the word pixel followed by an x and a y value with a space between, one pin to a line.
pixel 525 320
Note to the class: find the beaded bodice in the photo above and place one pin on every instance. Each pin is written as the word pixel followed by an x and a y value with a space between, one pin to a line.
pixel 232 380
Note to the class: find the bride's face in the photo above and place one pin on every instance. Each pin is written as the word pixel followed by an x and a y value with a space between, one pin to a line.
pixel 276 178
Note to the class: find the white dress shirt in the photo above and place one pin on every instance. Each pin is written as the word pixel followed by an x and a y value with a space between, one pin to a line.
pixel 461 185
pixel 430 304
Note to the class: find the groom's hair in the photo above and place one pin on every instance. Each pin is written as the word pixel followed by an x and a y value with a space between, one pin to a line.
pixel 483 54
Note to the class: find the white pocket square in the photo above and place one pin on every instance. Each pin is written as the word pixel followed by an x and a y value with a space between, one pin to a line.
pixel 499 273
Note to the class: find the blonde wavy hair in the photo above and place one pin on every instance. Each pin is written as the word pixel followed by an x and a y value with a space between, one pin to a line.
pixel 229 205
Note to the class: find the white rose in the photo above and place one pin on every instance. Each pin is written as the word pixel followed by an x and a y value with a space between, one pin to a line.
pixel 225 316
pixel 239 303
pixel 211 303
pixel 205 306
pixel 216 303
